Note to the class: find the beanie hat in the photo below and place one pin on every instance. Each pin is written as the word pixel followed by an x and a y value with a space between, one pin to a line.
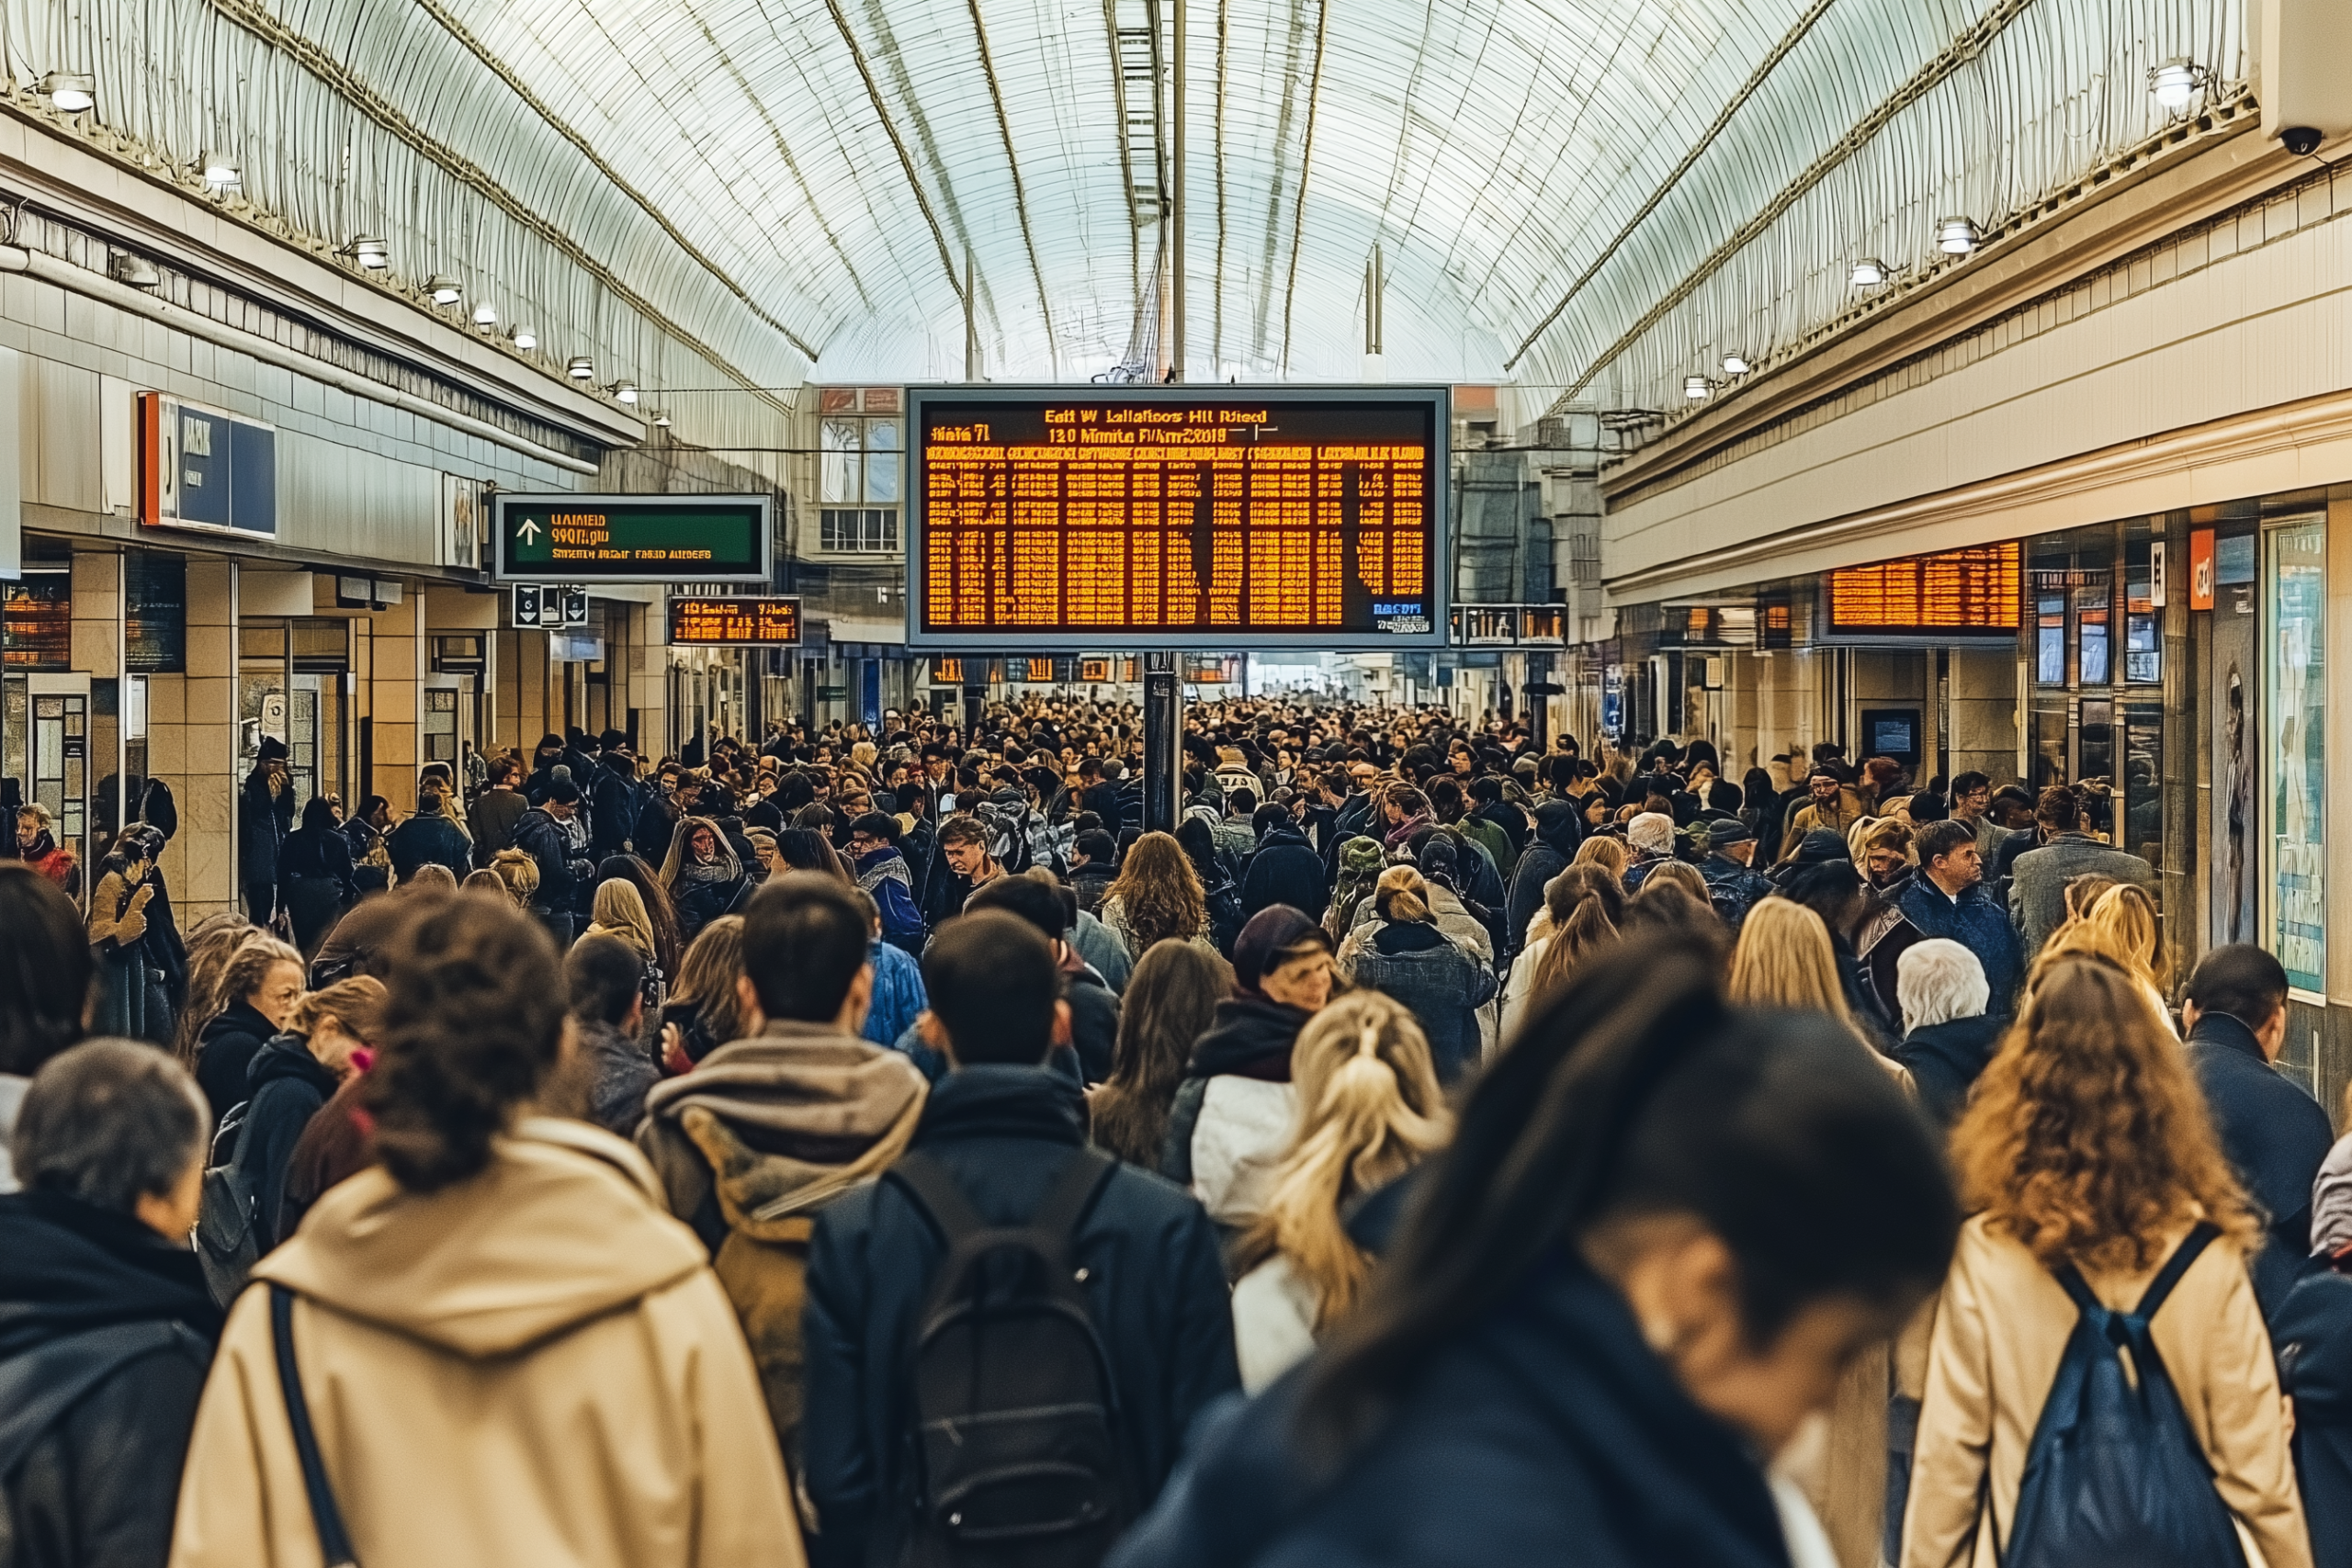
pixel 1362 856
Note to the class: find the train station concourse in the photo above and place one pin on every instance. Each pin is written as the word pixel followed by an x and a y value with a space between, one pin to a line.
pixel 781 774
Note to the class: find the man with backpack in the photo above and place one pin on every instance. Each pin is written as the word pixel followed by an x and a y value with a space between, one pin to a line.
pixel 923 1414
pixel 769 1128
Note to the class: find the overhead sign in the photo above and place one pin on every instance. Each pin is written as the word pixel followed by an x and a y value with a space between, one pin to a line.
pixel 735 622
pixel 549 606
pixel 1952 593
pixel 204 469
pixel 633 539
pixel 1066 518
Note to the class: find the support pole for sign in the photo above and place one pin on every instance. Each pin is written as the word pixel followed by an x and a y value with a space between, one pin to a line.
pixel 975 707
pixel 1176 215
pixel 971 322
pixel 1162 719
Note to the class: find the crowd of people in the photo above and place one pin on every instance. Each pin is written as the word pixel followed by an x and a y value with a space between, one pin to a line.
pixel 877 1148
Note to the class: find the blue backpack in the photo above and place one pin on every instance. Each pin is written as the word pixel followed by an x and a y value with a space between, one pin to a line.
pixel 2114 1478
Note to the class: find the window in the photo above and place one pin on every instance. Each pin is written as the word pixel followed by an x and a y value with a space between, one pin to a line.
pixel 858 461
pixel 2295 713
pixel 864 530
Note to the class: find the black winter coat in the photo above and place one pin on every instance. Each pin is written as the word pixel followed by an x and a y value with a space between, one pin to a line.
pixel 263 822
pixel 285 1087
pixel 100 1486
pixel 542 838
pixel 2313 1335
pixel 1285 871
pixel 321 853
pixel 225 1053
pixel 1094 1022
pixel 1945 1059
pixel 612 811
pixel 2274 1133
pixel 429 840
pixel 1557 836
pixel 1545 1433
pixel 1152 1276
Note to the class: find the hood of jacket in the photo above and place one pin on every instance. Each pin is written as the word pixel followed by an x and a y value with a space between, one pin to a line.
pixel 66 1266
pixel 991 1100
pixel 1556 826
pixel 1248 1037
pixel 1398 939
pixel 566 1224
pixel 782 1120
pixel 1285 838
pixel 286 1056
pixel 238 1017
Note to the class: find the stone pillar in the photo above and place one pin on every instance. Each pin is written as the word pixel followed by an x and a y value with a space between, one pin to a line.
pixel 192 748
pixel 395 677
pixel 97 630
pixel 1985 712
pixel 649 680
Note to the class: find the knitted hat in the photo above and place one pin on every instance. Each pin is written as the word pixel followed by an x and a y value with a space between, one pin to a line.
pixel 1362 856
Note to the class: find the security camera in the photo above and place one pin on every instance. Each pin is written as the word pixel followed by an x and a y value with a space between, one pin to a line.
pixel 2302 141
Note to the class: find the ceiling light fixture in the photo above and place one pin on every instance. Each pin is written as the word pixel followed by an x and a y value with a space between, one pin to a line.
pixel 219 171
pixel 136 271
pixel 662 419
pixel 580 367
pixel 626 391
pixel 1696 387
pixel 369 253
pixel 2176 82
pixel 1736 365
pixel 526 339
pixel 485 315
pixel 1869 273
pixel 70 92
pixel 1957 236
pixel 442 290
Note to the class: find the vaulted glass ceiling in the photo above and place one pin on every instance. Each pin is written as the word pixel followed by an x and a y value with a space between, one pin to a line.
pixel 1589 197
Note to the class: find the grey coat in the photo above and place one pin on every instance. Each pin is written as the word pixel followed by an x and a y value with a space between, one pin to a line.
pixel 2037 881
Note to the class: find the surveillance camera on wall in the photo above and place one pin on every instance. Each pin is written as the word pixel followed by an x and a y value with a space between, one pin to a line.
pixel 2302 141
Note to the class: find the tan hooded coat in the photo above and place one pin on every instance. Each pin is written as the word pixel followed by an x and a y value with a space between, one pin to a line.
pixel 535 1367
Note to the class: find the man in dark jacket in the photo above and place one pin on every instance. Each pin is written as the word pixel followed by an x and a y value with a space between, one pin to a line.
pixel 1093 1031
pixel 1949 1037
pixel 264 816
pixel 429 837
pixel 1948 899
pixel 540 833
pixel 1733 883
pixel 612 799
pixel 1004 1129
pixel 545 761
pixel 1285 870
pixel 106 1326
pixel 2274 1133
pixel 1548 854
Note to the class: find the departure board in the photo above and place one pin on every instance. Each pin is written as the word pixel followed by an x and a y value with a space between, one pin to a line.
pixel 631 538
pixel 735 622
pixel 1176 517
pixel 1968 591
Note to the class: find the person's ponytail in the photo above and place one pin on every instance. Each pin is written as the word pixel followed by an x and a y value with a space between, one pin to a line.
pixel 473 1025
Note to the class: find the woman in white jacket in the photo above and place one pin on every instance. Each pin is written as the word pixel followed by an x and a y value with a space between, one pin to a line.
pixel 1582 910
pixel 1370 1109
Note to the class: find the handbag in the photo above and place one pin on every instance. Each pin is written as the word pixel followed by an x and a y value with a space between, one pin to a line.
pixel 334 1543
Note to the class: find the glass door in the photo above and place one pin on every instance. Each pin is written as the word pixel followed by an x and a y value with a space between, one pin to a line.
pixel 2294 627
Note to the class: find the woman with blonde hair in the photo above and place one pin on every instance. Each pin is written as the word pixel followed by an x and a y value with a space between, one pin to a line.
pixel 2090 1166
pixel 620 912
pixel 2119 928
pixel 1610 854
pixel 520 872
pixel 1370 1110
pixel 1583 907
pixel 1785 959
pixel 1156 898
pixel 704 1010
pixel 1403 954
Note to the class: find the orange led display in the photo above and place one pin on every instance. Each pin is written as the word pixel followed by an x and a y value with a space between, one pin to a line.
pixel 1973 590
pixel 756 623
pixel 1060 519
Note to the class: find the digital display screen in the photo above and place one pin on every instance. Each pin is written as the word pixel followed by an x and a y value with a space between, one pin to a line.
pixel 632 539
pixel 1170 517
pixel 1970 590
pixel 749 623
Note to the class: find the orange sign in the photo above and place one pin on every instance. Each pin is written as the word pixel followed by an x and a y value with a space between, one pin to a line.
pixel 2201 568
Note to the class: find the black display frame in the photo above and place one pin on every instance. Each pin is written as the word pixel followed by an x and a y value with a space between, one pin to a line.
pixel 504 504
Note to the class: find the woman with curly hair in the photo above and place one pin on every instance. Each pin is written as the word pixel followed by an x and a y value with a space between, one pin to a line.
pixel 1156 898
pixel 2088 1162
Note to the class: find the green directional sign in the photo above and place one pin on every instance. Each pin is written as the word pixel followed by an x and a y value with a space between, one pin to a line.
pixel 633 539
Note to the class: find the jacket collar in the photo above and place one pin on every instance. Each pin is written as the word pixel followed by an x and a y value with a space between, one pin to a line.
pixel 2225 1030
pixel 73 1266
pixel 993 1101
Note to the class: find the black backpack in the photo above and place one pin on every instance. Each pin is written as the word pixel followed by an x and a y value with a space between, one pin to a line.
pixel 1011 1445
pixel 2115 1478
pixel 228 1226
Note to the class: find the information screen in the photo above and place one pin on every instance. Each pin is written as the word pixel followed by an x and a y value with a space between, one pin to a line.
pixel 631 538
pixel 1955 592
pixel 733 622
pixel 1158 517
